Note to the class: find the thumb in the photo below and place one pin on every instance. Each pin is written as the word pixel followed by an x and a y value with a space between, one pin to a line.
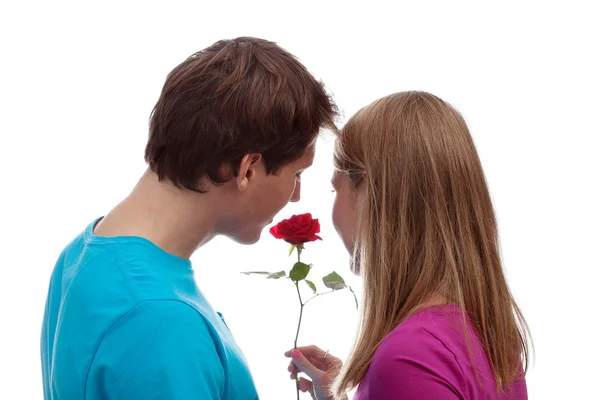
pixel 306 366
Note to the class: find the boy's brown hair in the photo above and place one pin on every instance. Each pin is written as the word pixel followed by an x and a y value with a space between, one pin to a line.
pixel 236 97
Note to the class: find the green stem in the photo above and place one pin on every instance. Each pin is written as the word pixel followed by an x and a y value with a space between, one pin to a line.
pixel 317 295
pixel 354 294
pixel 299 323
pixel 300 318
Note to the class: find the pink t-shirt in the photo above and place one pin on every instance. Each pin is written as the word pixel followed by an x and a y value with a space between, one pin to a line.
pixel 426 358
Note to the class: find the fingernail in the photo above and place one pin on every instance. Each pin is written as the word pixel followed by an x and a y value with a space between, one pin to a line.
pixel 295 353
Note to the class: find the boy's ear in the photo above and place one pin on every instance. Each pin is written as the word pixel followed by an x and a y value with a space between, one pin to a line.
pixel 249 167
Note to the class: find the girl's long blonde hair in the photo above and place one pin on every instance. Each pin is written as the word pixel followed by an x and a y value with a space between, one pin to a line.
pixel 425 228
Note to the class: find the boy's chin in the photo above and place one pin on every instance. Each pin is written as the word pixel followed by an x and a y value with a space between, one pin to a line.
pixel 247 237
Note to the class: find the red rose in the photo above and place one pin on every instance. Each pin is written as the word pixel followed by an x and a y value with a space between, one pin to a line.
pixel 297 230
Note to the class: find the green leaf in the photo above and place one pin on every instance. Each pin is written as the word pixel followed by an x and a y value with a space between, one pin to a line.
pixel 311 285
pixel 334 281
pixel 299 271
pixel 256 273
pixel 276 275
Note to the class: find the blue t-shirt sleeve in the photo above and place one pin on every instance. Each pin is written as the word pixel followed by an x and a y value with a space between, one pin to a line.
pixel 161 349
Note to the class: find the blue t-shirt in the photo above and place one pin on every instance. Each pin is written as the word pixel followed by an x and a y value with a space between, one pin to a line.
pixel 125 320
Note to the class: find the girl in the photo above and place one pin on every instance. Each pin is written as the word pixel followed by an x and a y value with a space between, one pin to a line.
pixel 438 320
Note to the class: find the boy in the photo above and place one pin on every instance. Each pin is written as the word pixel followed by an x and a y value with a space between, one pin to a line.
pixel 230 135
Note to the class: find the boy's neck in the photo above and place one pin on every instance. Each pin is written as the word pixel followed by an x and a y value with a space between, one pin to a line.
pixel 177 220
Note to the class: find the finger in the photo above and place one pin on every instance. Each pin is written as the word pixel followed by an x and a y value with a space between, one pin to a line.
pixel 326 363
pixel 308 351
pixel 291 367
pixel 321 361
pixel 293 370
pixel 317 362
pixel 306 366
pixel 305 385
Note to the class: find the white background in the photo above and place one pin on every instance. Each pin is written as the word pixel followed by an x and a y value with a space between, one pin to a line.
pixel 78 81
